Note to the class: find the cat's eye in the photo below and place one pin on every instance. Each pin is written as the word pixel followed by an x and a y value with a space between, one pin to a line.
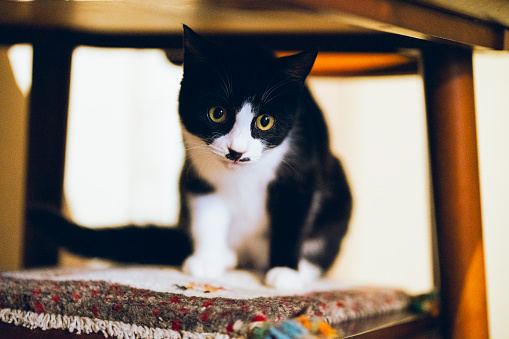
pixel 265 122
pixel 217 114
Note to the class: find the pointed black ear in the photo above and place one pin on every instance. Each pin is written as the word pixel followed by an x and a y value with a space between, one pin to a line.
pixel 195 46
pixel 299 65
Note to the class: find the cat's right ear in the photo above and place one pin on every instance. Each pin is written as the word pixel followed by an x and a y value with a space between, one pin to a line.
pixel 195 46
pixel 299 65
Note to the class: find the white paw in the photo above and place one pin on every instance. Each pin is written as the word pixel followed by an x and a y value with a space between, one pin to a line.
pixel 209 266
pixel 284 278
pixel 289 279
pixel 308 271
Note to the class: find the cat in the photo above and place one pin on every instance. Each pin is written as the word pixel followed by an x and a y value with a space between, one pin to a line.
pixel 260 187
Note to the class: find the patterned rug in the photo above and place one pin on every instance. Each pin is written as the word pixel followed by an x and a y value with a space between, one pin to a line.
pixel 155 302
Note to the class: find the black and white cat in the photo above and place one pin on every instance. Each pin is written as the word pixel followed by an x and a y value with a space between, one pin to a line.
pixel 259 188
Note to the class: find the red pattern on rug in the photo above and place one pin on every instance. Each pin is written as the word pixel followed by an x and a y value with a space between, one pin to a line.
pixel 181 313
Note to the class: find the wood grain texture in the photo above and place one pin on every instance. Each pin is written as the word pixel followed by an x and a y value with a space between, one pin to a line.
pixel 415 20
pixel 47 131
pixel 456 192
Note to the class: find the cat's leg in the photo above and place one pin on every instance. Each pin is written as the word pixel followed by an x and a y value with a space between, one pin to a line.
pixel 289 208
pixel 210 221
pixel 324 228
pixel 330 219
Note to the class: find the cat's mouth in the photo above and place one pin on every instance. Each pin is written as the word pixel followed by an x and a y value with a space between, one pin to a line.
pixel 232 164
pixel 234 158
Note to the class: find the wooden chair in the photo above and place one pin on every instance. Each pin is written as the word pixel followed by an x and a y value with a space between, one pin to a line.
pixel 442 36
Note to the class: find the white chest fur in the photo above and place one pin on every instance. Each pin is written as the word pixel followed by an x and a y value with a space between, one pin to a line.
pixel 234 217
pixel 240 200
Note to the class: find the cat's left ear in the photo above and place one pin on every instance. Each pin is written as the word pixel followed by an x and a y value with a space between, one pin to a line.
pixel 299 65
pixel 196 48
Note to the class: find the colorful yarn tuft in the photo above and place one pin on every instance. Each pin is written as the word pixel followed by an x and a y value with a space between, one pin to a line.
pixel 205 288
pixel 302 327
pixel 426 303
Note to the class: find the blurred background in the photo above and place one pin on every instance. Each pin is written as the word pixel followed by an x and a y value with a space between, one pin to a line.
pixel 125 151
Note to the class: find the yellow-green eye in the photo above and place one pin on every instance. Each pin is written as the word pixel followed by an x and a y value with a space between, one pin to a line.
pixel 265 122
pixel 217 114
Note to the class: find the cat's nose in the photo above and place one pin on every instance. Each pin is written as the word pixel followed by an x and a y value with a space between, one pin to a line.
pixel 234 155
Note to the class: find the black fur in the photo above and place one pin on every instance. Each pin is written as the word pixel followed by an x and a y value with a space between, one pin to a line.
pixel 128 244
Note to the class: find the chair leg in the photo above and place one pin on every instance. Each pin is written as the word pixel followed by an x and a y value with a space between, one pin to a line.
pixel 49 101
pixel 448 79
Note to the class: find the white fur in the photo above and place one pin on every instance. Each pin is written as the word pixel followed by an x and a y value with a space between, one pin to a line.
pixel 239 138
pixel 289 279
pixel 210 223
pixel 234 217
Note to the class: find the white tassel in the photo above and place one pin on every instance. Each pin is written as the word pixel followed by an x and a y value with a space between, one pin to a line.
pixel 47 321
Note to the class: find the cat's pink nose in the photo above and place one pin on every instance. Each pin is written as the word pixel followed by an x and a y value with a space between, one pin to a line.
pixel 234 155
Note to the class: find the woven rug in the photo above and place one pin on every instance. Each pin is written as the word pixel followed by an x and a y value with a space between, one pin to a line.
pixel 156 302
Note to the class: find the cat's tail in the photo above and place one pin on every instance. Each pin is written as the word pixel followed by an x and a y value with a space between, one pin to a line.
pixel 127 244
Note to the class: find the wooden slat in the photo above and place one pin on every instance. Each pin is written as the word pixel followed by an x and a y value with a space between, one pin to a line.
pixel 240 17
pixel 452 138
pixel 488 10
pixel 49 99
pixel 361 64
pixel 393 325
pixel 412 19
pixel 156 17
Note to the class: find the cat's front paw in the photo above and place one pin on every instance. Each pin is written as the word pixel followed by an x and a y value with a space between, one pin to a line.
pixel 203 266
pixel 284 278
pixel 289 279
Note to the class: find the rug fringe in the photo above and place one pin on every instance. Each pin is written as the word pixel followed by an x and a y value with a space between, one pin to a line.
pixel 80 325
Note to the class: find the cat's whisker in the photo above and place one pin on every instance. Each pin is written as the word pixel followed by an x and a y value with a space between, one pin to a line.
pixel 278 95
pixel 225 83
pixel 271 89
pixel 289 165
pixel 195 147
pixel 272 85
pixel 204 158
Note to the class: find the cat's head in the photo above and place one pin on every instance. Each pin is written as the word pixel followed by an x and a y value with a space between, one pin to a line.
pixel 239 102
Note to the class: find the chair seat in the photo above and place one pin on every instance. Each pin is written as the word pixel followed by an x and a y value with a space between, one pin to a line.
pixel 152 302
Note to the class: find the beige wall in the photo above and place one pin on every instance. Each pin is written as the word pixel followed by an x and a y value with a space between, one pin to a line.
pixel 12 160
pixel 378 130
pixel 492 95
